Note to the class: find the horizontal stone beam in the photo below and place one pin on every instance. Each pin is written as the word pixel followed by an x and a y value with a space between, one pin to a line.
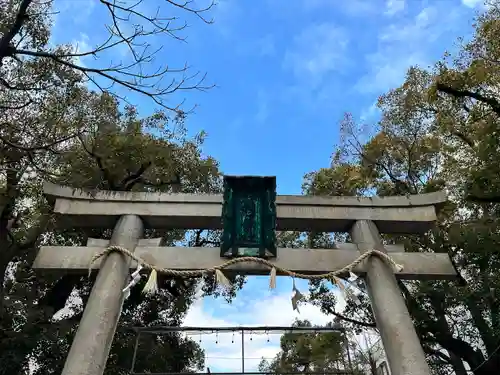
pixel 49 258
pixel 143 242
pixel 310 261
pixel 154 242
pixel 404 214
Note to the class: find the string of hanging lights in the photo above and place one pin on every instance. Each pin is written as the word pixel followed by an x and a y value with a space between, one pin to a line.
pixel 251 331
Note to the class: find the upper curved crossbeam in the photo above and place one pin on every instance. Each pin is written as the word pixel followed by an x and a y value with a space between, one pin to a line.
pixel 395 214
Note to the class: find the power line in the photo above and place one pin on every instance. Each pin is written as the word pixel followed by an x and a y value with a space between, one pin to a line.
pixel 253 329
pixel 239 358
pixel 257 330
pixel 487 359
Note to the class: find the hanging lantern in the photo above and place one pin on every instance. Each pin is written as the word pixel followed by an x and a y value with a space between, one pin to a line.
pixel 249 217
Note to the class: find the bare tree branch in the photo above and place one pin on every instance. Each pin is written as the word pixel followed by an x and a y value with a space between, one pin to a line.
pixel 129 26
pixel 6 41
pixel 129 181
pixel 483 199
pixel 492 102
pixel 332 311
pixel 39 147
pixel 105 173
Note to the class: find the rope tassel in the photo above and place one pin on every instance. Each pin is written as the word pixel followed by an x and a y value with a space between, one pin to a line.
pixel 336 281
pixel 297 297
pixel 221 279
pixel 272 279
pixel 151 286
pixel 397 267
pixel 352 277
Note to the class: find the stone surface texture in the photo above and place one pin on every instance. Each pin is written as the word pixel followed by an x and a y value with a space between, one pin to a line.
pixel 406 214
pixel 309 261
pixel 402 346
pixel 129 213
pixel 90 348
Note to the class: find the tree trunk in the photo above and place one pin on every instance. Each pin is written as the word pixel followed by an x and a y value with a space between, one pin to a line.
pixel 489 341
pixel 457 364
pixel 441 332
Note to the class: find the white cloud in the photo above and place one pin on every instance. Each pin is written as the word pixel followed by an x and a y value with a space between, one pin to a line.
pixel 271 309
pixel 225 14
pixel 368 113
pixel 78 12
pixel 387 72
pixel 352 8
pixel 223 351
pixel 420 29
pixel 394 6
pixel 317 51
pixel 81 46
pixel 472 3
pixel 405 43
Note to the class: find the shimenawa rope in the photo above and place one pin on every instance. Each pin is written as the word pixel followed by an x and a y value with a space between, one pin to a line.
pixel 151 285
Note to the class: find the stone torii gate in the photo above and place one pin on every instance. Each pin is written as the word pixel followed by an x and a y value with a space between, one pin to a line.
pixel 128 213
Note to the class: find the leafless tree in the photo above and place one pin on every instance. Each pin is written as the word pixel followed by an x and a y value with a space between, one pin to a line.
pixel 132 24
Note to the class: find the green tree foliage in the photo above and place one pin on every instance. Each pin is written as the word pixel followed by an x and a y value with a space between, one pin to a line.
pixel 118 151
pixel 439 130
pixel 53 128
pixel 308 352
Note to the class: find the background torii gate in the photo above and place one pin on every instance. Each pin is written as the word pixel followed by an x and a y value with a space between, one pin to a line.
pixel 128 213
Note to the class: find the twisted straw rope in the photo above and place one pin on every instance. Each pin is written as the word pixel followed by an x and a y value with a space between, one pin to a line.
pixel 268 264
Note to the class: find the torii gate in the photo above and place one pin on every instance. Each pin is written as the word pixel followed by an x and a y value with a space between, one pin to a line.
pixel 128 213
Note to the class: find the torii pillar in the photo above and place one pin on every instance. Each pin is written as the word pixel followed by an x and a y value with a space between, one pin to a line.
pixel 93 339
pixel 129 212
pixel 401 343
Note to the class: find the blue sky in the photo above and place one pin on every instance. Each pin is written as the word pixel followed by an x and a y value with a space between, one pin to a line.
pixel 286 72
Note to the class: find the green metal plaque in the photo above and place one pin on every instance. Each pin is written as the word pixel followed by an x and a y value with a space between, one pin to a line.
pixel 249 217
